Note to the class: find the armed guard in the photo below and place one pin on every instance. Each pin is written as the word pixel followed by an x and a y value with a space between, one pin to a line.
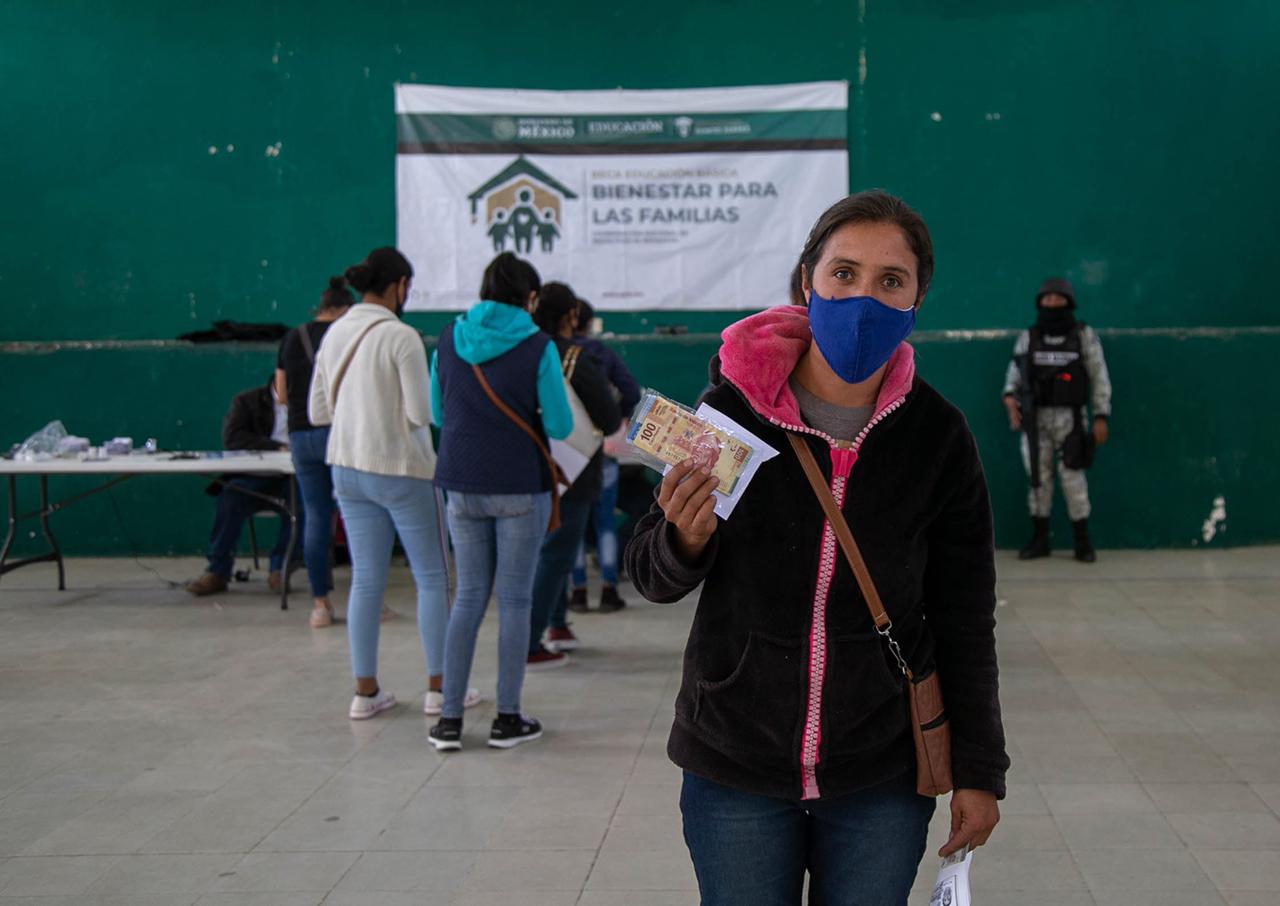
pixel 1057 373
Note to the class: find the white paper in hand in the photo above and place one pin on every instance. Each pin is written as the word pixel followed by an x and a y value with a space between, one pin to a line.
pixel 761 453
pixel 952 888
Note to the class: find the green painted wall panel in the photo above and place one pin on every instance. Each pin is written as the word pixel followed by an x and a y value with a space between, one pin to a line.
pixel 1179 441
pixel 1128 146
pixel 1133 148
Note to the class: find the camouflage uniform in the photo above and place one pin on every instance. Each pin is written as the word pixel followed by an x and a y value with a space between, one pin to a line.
pixel 1055 423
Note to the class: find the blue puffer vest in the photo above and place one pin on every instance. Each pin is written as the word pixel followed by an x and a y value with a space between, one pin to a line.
pixel 481 450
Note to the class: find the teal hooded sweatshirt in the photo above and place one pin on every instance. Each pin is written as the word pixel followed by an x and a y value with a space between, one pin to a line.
pixel 490 329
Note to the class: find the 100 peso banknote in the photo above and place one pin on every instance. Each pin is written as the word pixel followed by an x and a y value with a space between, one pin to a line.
pixel 672 434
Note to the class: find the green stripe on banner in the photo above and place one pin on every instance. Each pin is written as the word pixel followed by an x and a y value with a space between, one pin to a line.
pixel 596 150
pixel 457 133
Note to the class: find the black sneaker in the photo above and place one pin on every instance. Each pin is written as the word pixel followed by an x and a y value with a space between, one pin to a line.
pixel 446 736
pixel 610 602
pixel 578 601
pixel 510 730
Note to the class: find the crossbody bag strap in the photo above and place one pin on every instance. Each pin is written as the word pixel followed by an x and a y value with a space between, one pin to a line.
pixel 570 363
pixel 930 730
pixel 304 337
pixel 843 535
pixel 556 475
pixel 346 362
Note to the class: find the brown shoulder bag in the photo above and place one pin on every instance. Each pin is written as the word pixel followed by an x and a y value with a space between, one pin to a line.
pixel 929 725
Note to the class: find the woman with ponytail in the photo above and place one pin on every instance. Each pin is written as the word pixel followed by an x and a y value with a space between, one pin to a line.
pixel 294 366
pixel 557 315
pixel 370 385
pixel 497 394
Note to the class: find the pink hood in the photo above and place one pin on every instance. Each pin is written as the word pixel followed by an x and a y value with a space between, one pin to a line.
pixel 760 352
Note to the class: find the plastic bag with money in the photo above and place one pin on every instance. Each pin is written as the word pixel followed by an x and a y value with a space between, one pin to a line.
pixel 666 433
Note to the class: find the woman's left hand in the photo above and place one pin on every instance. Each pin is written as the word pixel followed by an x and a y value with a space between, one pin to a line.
pixel 974 815
pixel 1100 432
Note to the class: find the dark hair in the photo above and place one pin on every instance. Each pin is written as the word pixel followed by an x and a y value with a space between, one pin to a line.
pixel 554 302
pixel 336 296
pixel 510 280
pixel 586 314
pixel 383 267
pixel 873 206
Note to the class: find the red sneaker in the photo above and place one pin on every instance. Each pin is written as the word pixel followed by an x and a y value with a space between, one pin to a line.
pixel 561 639
pixel 542 659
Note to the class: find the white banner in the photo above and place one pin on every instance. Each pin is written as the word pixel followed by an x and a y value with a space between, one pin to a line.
pixel 639 200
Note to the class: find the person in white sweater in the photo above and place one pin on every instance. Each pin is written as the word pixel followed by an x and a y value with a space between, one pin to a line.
pixel 371 384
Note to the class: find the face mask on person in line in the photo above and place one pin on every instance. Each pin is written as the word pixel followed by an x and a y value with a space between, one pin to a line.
pixel 856 335
pixel 402 301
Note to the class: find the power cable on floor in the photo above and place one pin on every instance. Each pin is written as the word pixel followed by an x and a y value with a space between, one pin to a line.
pixel 133 545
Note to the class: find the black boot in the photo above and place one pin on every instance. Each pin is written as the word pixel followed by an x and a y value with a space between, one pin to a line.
pixel 578 600
pixel 1038 546
pixel 610 601
pixel 1084 548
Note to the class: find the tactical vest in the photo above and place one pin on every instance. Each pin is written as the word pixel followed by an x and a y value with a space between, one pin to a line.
pixel 1058 374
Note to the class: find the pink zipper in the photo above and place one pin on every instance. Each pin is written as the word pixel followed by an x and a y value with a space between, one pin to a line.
pixel 842 460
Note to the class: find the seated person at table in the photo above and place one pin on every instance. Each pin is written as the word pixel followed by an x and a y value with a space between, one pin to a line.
pixel 257 420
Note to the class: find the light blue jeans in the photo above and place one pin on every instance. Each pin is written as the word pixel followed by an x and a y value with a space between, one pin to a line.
pixel 374 509
pixel 496 539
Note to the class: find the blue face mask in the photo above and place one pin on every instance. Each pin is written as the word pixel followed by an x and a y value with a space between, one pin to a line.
pixel 858 334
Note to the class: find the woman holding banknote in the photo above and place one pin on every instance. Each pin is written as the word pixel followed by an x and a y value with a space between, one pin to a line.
pixel 792 723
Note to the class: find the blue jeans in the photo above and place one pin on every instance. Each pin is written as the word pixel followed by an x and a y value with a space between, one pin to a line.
pixel 859 850
pixel 316 484
pixel 496 538
pixel 606 522
pixel 374 509
pixel 234 508
pixel 555 559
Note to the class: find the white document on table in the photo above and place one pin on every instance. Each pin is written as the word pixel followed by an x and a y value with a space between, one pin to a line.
pixel 761 453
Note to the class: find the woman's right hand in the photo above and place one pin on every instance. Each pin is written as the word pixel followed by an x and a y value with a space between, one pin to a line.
pixel 686 500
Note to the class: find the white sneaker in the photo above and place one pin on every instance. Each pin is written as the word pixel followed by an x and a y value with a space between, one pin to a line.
pixel 434 701
pixel 364 707
pixel 321 617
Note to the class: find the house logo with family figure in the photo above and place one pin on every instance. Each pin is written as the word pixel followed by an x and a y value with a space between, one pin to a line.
pixel 521 204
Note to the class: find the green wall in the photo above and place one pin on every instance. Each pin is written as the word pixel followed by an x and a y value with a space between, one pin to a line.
pixel 1128 146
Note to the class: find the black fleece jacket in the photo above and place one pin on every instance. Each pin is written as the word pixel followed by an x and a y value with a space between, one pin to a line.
pixel 917 503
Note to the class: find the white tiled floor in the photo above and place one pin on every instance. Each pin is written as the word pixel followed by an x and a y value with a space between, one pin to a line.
pixel 155 749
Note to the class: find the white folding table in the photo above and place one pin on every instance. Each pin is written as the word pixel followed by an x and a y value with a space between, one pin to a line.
pixel 219 466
